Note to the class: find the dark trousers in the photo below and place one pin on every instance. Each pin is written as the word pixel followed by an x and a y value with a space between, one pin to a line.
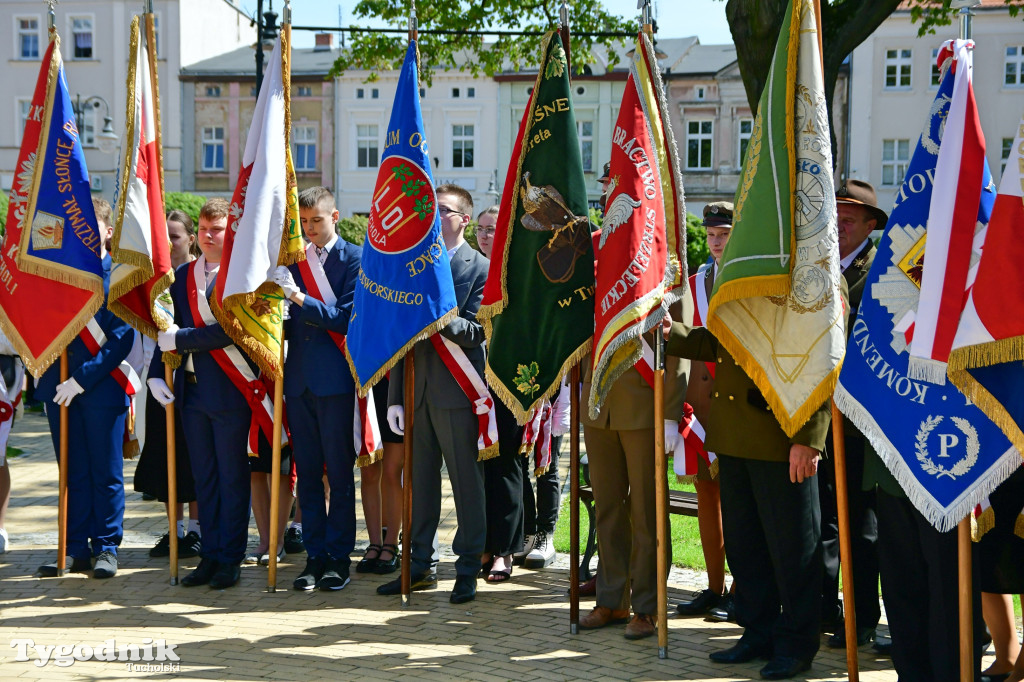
pixel 772 542
pixel 540 512
pixel 863 535
pixel 920 586
pixel 217 445
pixel 451 435
pixel 95 475
pixel 503 488
pixel 321 430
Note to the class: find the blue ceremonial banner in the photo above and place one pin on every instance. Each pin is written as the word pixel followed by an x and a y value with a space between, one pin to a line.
pixel 50 263
pixel 944 452
pixel 404 293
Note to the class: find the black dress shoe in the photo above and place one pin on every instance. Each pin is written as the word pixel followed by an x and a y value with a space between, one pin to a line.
pixel 838 640
pixel 464 590
pixel 226 576
pixel 832 617
pixel 725 612
pixel 784 667
pixel 202 573
pixel 882 646
pixel 699 605
pixel 76 565
pixel 418 583
pixel 741 652
pixel 385 566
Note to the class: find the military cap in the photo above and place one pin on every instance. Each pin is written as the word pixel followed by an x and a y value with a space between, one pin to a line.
pixel 606 173
pixel 718 214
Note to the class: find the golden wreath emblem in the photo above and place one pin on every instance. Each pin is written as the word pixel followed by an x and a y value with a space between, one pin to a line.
pixel 962 466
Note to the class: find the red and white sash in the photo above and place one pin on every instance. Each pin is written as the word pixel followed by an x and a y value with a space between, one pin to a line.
pixel 126 377
pixel 368 444
pixel 691 433
pixel 472 384
pixel 10 396
pixel 537 438
pixel 258 390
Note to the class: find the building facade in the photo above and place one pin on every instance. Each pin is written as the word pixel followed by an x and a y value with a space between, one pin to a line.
pixel 894 80
pixel 94 45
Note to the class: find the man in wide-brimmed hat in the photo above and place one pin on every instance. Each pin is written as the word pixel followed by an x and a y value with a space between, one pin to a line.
pixel 858 217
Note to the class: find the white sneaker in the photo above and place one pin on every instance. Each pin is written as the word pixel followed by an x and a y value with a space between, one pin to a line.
pixel 4 541
pixel 543 552
pixel 528 545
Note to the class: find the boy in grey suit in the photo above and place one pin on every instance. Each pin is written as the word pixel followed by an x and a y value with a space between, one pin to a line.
pixel 446 425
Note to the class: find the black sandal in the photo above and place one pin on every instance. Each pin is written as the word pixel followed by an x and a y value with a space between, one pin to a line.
pixel 369 564
pixel 385 566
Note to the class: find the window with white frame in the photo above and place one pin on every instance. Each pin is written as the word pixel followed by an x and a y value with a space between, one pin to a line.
pixel 585 133
pixel 213 149
pixel 699 138
pixel 1007 147
pixel 304 91
pixel 746 129
pixel 1014 65
pixel 367 146
pixel 936 72
pixel 24 107
pixel 462 146
pixel 470 92
pixel 895 159
pixel 82 37
pixel 304 139
pixel 27 39
pixel 700 92
pixel 897 68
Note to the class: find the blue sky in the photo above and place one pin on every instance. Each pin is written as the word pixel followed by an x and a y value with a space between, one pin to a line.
pixel 676 18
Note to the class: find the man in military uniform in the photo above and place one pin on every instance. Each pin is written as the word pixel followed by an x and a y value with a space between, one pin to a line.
pixel 858 217
pixel 770 513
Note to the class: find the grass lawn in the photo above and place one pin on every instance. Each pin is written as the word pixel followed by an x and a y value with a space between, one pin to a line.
pixel 14 452
pixel 686 549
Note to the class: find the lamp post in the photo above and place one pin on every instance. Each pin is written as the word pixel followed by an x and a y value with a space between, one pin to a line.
pixel 107 140
pixel 492 190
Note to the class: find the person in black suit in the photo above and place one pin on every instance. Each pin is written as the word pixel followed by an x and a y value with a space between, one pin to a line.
pixel 320 391
pixel 858 217
pixel 445 424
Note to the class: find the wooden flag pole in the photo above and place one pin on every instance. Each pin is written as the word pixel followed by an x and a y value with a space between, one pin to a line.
pixel 172 479
pixel 275 477
pixel 62 477
pixel 661 491
pixel 409 399
pixel 845 546
pixel 574 499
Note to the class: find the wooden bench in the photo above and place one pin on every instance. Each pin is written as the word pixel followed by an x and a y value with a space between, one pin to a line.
pixel 680 502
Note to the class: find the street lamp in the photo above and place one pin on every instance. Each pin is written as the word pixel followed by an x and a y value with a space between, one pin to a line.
pixel 492 189
pixel 107 140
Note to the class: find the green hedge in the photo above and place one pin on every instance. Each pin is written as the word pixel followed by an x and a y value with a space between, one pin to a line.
pixel 353 228
pixel 3 213
pixel 184 201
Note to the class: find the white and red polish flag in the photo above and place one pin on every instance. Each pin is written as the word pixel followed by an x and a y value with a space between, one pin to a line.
pixel 952 223
pixel 140 249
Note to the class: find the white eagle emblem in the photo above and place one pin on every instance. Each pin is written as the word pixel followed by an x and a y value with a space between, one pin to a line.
pixel 619 211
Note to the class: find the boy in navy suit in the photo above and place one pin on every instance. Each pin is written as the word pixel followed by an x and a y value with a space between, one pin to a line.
pixel 215 413
pixel 97 409
pixel 319 389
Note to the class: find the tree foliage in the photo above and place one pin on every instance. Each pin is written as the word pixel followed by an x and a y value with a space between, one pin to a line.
pixel 697 251
pixel 3 213
pixel 184 201
pixel 377 52
pixel 929 14
pixel 353 229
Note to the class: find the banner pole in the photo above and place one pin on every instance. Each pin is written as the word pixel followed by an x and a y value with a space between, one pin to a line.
pixel 172 479
pixel 574 499
pixel 275 477
pixel 845 545
pixel 409 398
pixel 62 477
pixel 661 491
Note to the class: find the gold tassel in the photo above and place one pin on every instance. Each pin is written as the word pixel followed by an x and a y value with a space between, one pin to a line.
pixel 488 453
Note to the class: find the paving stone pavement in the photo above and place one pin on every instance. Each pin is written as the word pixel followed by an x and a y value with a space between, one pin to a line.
pixel 518 630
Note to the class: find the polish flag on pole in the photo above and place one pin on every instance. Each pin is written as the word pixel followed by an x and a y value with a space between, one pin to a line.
pixel 952 219
pixel 140 248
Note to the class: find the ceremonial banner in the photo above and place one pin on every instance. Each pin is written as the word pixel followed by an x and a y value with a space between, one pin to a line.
pixel 943 450
pixel 405 291
pixel 641 259
pixel 536 310
pixel 989 344
pixel 263 228
pixel 51 273
pixel 776 305
pixel 140 248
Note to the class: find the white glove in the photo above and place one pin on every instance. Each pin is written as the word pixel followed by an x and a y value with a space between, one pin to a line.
pixel 671 435
pixel 67 391
pixel 166 339
pixel 283 278
pixel 158 389
pixel 396 419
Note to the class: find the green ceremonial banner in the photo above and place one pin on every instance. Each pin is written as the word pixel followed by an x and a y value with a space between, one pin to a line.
pixel 777 306
pixel 537 309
